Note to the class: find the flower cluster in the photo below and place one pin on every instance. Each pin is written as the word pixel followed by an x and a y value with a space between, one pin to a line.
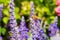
pixel 14 31
pixel 14 34
pixel 53 28
pixel 1 38
pixel 1 6
pixel 37 33
pixel 23 29
pixel 32 9
pixel 34 30
pixel 13 22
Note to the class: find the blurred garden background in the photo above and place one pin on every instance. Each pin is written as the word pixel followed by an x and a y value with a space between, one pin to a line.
pixel 44 9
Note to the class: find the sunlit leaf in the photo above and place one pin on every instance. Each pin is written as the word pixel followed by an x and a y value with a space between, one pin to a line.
pixel 46 9
pixel 41 0
pixel 52 17
pixel 6 12
pixel 54 1
pixel 5 20
pixel 3 30
pixel 16 10
pixel 17 16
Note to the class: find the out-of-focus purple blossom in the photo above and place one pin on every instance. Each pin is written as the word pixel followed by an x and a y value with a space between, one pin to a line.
pixel 1 38
pixel 11 6
pixel 37 23
pixel 35 26
pixel 53 28
pixel 12 22
pixel 14 30
pixel 23 25
pixel 15 33
pixel 13 25
pixel 23 30
pixel 32 9
pixel 35 29
pixel 42 35
pixel 1 7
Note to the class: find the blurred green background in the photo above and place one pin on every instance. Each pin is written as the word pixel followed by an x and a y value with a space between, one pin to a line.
pixel 44 8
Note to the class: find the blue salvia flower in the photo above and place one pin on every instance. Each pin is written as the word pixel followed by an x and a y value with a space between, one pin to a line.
pixel 53 28
pixel 13 24
pixel 15 34
pixel 37 33
pixel 1 6
pixel 38 22
pixel 32 9
pixel 11 6
pixel 1 38
pixel 12 21
pixel 42 35
pixel 35 26
pixel 23 30
pixel 40 30
pixel 34 29
pixel 31 14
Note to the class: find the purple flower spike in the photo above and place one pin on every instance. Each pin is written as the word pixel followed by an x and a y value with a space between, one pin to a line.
pixel 23 30
pixel 12 22
pixel 34 24
pixel 34 29
pixel 53 28
pixel 37 33
pixel 1 38
pixel 1 7
pixel 11 6
pixel 32 9
pixel 37 23
pixel 23 24
pixel 14 31
pixel 15 34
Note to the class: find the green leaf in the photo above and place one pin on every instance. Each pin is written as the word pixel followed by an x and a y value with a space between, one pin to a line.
pixel 3 31
pixel 16 10
pixel 41 0
pixel 52 17
pixel 6 12
pixel 17 16
pixel 46 9
pixel 5 20
pixel 6 1
pixel 54 1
